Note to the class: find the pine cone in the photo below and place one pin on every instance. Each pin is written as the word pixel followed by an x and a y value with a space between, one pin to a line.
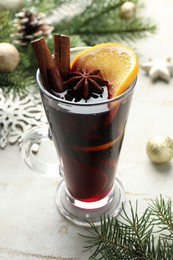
pixel 30 26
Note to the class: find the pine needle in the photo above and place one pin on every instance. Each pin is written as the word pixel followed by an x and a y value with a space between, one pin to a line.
pixel 145 237
pixel 96 22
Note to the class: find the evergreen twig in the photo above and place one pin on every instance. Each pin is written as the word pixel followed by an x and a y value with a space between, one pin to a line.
pixel 100 22
pixel 162 216
pixel 8 82
pixel 134 237
pixel 96 22
pixel 6 26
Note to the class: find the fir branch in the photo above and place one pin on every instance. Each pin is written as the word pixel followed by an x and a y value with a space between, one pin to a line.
pixel 97 21
pixel 101 22
pixel 132 29
pixel 16 81
pixel 133 237
pixel 76 41
pixel 162 216
pixel 98 11
pixel 6 26
pixel 46 6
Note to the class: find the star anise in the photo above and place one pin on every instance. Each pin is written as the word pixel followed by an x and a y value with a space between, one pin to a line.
pixel 85 83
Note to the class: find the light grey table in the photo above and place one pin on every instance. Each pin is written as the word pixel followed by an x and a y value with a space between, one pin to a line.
pixel 30 226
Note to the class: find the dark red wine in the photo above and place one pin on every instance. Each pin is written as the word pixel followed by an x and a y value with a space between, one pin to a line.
pixel 89 144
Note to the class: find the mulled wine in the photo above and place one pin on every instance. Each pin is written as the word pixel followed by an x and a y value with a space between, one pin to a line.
pixel 88 140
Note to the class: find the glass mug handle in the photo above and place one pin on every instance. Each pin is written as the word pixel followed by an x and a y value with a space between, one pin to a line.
pixel 35 136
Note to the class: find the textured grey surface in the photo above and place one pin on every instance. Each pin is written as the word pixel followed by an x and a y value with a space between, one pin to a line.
pixel 30 225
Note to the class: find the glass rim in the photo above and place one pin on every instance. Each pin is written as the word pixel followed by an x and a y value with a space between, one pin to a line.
pixel 55 98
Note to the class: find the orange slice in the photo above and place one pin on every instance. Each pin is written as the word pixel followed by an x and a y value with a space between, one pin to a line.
pixel 98 147
pixel 117 63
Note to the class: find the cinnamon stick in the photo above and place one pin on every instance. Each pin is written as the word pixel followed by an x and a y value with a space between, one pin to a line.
pixel 57 44
pixel 49 72
pixel 62 54
pixel 41 61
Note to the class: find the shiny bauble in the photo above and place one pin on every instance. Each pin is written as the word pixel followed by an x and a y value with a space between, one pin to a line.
pixel 11 5
pixel 9 57
pixel 160 149
pixel 127 10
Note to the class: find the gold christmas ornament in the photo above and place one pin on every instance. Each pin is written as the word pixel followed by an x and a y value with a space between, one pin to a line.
pixel 127 10
pixel 160 149
pixel 9 57
pixel 10 5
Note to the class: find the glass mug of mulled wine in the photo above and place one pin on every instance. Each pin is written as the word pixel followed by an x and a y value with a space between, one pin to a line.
pixel 88 137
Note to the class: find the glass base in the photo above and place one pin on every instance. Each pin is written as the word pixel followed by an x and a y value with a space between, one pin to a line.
pixel 80 213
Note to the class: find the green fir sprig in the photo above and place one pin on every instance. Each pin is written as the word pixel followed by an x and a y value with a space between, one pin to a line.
pixel 8 82
pixel 6 26
pixel 94 22
pixel 134 237
pixel 101 22
pixel 162 217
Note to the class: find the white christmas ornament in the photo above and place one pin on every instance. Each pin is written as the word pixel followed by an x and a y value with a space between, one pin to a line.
pixel 18 115
pixel 10 4
pixel 159 69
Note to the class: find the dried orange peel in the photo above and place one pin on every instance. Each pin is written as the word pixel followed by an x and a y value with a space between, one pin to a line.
pixel 117 63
